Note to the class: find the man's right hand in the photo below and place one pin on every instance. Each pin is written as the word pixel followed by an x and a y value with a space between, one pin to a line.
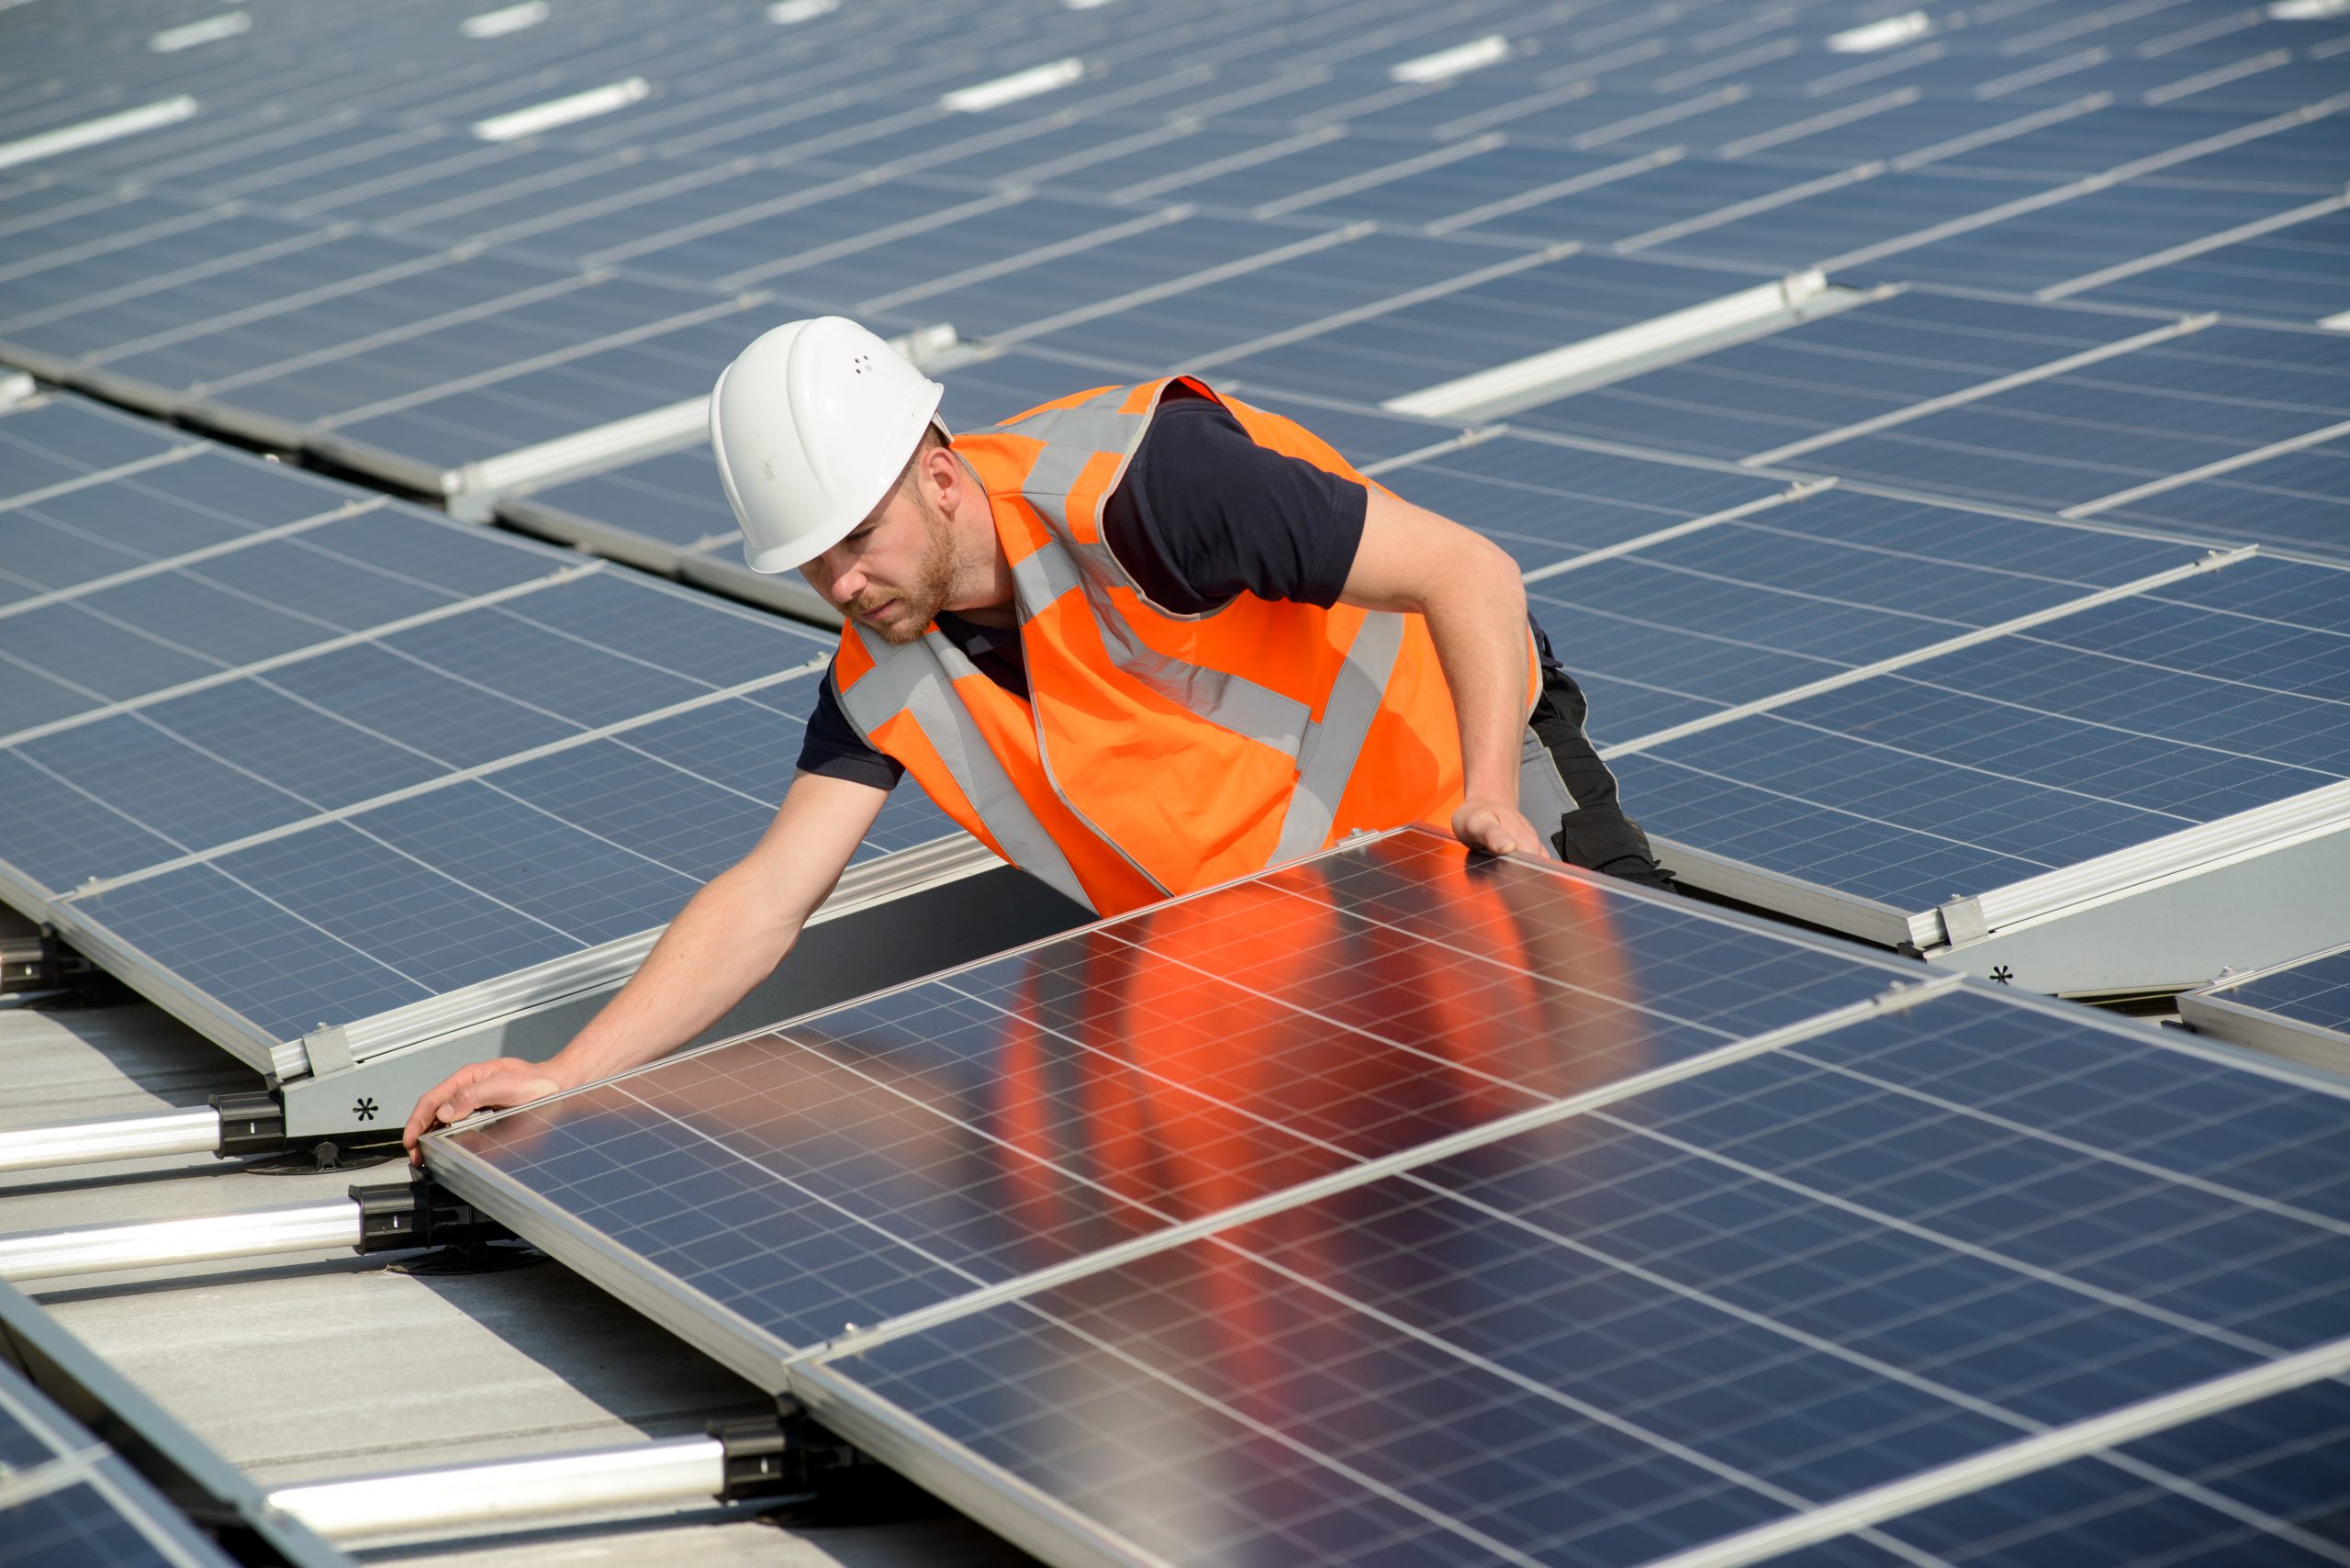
pixel 483 1086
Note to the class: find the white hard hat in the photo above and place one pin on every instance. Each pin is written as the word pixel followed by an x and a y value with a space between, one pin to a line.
pixel 812 423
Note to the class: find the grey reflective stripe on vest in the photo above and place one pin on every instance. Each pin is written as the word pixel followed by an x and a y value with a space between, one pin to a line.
pixel 1330 756
pixel 1231 701
pixel 1072 438
pixel 1088 425
pixel 915 679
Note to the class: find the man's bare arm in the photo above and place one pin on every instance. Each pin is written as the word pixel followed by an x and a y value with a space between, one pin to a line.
pixel 1468 590
pixel 729 936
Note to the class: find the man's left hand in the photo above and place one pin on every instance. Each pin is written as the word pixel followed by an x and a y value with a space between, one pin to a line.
pixel 1498 828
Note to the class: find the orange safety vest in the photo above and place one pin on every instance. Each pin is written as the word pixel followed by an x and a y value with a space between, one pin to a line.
pixel 1156 754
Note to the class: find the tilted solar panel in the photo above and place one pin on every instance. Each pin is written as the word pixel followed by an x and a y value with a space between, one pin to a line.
pixel 293 756
pixel 2299 1009
pixel 2261 1483
pixel 2021 772
pixel 1016 1115
pixel 67 1501
pixel 1394 1204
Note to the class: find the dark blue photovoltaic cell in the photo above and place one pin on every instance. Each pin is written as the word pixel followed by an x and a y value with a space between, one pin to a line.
pixel 64 439
pixel 1021 1111
pixel 2294 272
pixel 2267 1480
pixel 101 1517
pixel 1743 609
pixel 1477 327
pixel 2071 438
pixel 1767 1286
pixel 674 498
pixel 1823 375
pixel 1546 503
pixel 2313 990
pixel 103 526
pixel 259 958
pixel 2300 501
pixel 2098 730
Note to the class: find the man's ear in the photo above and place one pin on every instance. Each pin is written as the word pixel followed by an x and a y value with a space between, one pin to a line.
pixel 942 474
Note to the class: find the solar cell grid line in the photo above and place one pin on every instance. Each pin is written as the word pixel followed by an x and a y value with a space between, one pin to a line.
pixel 61 442
pixel 1606 1268
pixel 2258 1481
pixel 963 1132
pixel 1408 347
pixel 1878 361
pixel 2095 437
pixel 1761 601
pixel 2077 772
pixel 118 667
pixel 1548 504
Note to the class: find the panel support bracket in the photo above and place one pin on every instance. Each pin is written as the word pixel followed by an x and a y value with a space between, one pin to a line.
pixel 1962 921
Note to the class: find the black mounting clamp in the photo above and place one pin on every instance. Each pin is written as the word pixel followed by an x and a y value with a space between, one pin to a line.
pixel 252 1122
pixel 784 1454
pixel 399 1216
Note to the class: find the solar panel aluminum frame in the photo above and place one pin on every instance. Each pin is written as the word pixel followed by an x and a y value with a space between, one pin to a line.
pixel 148 1437
pixel 2212 1010
pixel 757 1356
pixel 2073 932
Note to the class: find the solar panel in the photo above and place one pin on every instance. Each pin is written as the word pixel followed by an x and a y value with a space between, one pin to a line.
pixel 67 1500
pixel 2293 271
pixel 2071 440
pixel 1298 1220
pixel 1021 1113
pixel 1546 503
pixel 1415 346
pixel 2299 1009
pixel 2294 499
pixel 2261 1483
pixel 1756 605
pixel 2124 725
pixel 302 755
pixel 1872 360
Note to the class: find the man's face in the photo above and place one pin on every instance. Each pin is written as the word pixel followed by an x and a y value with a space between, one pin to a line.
pixel 895 571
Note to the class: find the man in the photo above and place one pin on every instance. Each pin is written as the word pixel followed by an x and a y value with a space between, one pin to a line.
pixel 1140 642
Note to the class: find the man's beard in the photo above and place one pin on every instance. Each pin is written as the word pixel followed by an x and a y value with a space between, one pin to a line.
pixel 933 581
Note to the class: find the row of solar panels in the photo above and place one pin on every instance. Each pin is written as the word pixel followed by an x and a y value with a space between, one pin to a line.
pixel 307 757
pixel 310 756
pixel 1393 1206
pixel 411 303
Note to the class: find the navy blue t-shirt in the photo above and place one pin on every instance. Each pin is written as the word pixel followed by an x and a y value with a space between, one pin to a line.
pixel 1201 514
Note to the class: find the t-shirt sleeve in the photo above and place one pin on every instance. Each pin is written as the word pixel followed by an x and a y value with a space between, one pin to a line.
pixel 832 748
pixel 1205 514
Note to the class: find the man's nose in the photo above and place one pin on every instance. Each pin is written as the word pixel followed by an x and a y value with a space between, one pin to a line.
pixel 848 578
